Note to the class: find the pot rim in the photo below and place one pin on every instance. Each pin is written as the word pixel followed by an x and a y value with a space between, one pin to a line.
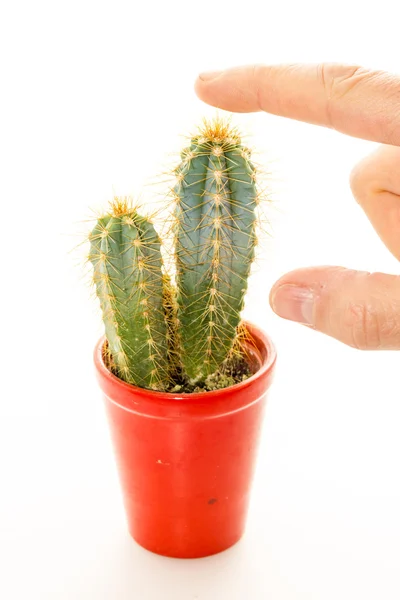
pixel 265 350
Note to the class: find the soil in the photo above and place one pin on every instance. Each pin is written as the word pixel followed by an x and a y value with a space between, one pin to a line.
pixel 230 373
pixel 235 371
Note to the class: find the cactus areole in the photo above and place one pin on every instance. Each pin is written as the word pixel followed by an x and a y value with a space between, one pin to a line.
pixel 184 380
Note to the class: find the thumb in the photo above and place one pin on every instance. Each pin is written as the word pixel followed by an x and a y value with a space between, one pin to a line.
pixel 358 308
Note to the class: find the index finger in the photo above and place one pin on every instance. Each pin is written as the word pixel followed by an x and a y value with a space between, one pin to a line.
pixel 350 99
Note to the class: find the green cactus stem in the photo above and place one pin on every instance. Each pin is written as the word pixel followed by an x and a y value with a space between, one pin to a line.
pixel 215 221
pixel 127 263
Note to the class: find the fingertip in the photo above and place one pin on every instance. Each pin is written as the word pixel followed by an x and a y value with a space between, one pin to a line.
pixel 271 297
pixel 229 90
pixel 204 88
pixel 209 75
pixel 199 87
pixel 272 292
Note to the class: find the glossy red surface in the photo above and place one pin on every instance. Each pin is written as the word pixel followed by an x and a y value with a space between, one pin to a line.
pixel 186 461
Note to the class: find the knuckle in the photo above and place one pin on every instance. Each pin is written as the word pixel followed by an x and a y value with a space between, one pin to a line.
pixel 373 327
pixel 391 122
pixel 357 181
pixel 381 90
pixel 368 178
pixel 258 75
pixel 363 180
pixel 363 325
pixel 338 80
pixel 387 108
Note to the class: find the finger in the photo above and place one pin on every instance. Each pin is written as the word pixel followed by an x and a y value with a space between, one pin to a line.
pixel 375 183
pixel 358 308
pixel 350 99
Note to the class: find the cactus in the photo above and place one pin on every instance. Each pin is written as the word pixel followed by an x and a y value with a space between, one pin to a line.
pixel 165 331
pixel 216 199
pixel 127 264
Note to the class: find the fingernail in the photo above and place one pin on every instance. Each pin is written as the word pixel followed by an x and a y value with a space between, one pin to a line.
pixel 209 75
pixel 294 303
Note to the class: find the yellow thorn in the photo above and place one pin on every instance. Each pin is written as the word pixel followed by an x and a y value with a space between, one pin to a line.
pixel 217 130
pixel 217 176
pixel 217 199
pixel 104 277
pixel 120 206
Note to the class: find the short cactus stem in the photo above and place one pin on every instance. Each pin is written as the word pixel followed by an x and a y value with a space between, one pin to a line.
pixel 126 258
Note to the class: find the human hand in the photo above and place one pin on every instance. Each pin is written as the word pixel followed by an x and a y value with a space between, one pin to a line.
pixel 358 308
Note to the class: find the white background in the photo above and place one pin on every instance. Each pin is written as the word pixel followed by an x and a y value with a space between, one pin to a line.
pixel 94 97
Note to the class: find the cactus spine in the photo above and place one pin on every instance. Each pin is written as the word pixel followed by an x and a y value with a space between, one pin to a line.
pixel 215 220
pixel 127 263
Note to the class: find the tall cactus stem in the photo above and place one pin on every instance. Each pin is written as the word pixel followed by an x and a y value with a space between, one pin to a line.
pixel 215 220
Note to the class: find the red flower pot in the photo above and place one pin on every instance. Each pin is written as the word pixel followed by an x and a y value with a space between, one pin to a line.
pixel 186 461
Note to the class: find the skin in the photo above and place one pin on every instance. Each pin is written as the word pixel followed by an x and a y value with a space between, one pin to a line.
pixel 358 308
